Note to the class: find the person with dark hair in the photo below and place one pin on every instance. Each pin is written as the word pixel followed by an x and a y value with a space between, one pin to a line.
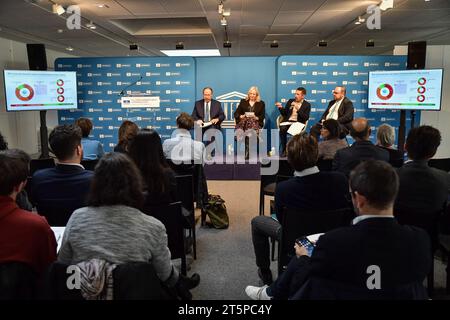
pixel 92 149
pixel 112 227
pixel 295 110
pixel 3 143
pixel 65 186
pixel 181 148
pixel 159 179
pixel 208 110
pixel 340 109
pixel 422 187
pixel 344 260
pixel 386 141
pixel 127 132
pixel 306 191
pixel 362 149
pixel 24 236
pixel 331 142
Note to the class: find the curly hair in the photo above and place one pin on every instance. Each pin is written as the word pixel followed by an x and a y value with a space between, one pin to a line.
pixel 117 181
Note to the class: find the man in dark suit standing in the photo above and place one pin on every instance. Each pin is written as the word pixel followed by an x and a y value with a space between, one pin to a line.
pixel 208 110
pixel 340 109
pixel 66 186
pixel 422 188
pixel 376 257
pixel 362 149
pixel 295 110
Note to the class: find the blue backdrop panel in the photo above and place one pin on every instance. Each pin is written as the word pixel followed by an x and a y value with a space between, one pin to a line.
pixel 100 80
pixel 321 74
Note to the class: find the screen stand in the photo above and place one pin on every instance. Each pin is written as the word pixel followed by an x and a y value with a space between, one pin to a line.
pixel 44 136
pixel 401 131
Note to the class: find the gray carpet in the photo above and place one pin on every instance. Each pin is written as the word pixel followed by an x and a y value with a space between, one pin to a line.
pixel 225 258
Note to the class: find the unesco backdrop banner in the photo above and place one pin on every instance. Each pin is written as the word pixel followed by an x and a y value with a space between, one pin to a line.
pixel 319 75
pixel 101 80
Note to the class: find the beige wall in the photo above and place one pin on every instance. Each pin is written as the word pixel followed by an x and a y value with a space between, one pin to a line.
pixel 21 128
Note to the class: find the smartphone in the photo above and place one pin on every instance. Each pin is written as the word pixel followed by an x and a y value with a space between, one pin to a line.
pixel 309 246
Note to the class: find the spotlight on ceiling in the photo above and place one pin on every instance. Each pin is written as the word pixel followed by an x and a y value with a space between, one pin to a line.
pixel 179 46
pixel 69 48
pixel 322 43
pixel 226 13
pixel 223 21
pixel 370 44
pixel 91 25
pixel 58 9
pixel 274 44
pixel 133 46
pixel 220 8
pixel 227 44
pixel 360 20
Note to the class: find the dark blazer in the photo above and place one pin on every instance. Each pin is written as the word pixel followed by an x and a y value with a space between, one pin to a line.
pixel 396 157
pixel 259 108
pixel 313 192
pixel 401 252
pixel 64 186
pixel 348 158
pixel 422 187
pixel 345 113
pixel 302 114
pixel 215 111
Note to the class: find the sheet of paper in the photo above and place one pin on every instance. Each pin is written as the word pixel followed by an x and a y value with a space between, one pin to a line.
pixel 314 237
pixel 286 123
pixel 59 232
pixel 206 124
pixel 296 128
pixel 249 114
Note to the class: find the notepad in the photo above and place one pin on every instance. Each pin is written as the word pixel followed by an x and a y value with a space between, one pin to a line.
pixel 206 124
pixel 296 128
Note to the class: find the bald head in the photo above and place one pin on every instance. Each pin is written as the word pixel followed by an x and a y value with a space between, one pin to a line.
pixel 360 129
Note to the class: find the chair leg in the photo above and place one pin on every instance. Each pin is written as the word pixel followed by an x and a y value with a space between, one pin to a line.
pixel 183 266
pixel 430 279
pixel 261 204
pixel 448 273
pixel 194 242
pixel 273 249
pixel 203 217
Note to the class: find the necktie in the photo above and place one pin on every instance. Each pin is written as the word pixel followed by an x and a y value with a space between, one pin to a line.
pixel 207 115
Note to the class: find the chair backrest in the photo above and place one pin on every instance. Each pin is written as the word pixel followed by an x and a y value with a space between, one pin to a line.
pixel 429 221
pixel 57 215
pixel 132 281
pixel 172 218
pixel 89 164
pixel 279 120
pixel 185 190
pixel 298 223
pixel 443 164
pixel 39 164
pixel 17 281
pixel 325 164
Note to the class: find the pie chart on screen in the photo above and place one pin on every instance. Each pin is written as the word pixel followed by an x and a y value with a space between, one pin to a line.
pixel 24 92
pixel 421 89
pixel 421 98
pixel 385 91
pixel 422 81
pixel 60 90
pixel 60 98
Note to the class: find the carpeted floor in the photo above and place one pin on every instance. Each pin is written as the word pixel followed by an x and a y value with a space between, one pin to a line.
pixel 225 258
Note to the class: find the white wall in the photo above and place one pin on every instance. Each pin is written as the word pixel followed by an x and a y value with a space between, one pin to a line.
pixel 437 57
pixel 20 129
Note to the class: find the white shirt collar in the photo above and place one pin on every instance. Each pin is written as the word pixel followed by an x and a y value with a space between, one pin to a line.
pixel 306 172
pixel 368 216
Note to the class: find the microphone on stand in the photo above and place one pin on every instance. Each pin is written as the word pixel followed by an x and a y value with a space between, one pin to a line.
pixel 132 84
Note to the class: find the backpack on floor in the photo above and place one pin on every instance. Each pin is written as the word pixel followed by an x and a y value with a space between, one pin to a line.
pixel 217 211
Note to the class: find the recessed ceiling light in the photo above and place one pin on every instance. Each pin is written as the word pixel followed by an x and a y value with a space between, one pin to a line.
pixel 223 21
pixel 226 13
pixel 192 53
pixel 69 48
pixel 60 30
pixel 102 5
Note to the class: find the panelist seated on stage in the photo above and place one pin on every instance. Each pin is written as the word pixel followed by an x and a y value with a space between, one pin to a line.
pixel 250 111
pixel 181 147
pixel 208 110
pixel 340 109
pixel 295 110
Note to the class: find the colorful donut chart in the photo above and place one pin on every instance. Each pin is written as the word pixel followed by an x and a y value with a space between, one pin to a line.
pixel 421 89
pixel 60 90
pixel 24 92
pixel 422 81
pixel 60 82
pixel 385 91
pixel 421 98
pixel 60 98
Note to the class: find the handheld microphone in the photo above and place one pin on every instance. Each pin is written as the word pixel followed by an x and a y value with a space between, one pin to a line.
pixel 132 84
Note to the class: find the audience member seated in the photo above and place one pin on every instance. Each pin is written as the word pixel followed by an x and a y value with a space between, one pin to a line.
pixel 309 189
pixel 127 131
pixel 331 143
pixel 362 149
pixel 386 140
pixel 113 229
pixel 67 184
pixel 24 236
pixel 159 180
pixel 352 255
pixel 181 148
pixel 92 149
pixel 422 188
pixel 22 197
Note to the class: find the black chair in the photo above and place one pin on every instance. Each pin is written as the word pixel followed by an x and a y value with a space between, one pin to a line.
pixel 325 164
pixel 268 182
pixel 443 164
pixel 89 164
pixel 57 214
pixel 17 281
pixel 172 218
pixel 39 164
pixel 429 221
pixel 132 281
pixel 298 223
pixel 185 189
